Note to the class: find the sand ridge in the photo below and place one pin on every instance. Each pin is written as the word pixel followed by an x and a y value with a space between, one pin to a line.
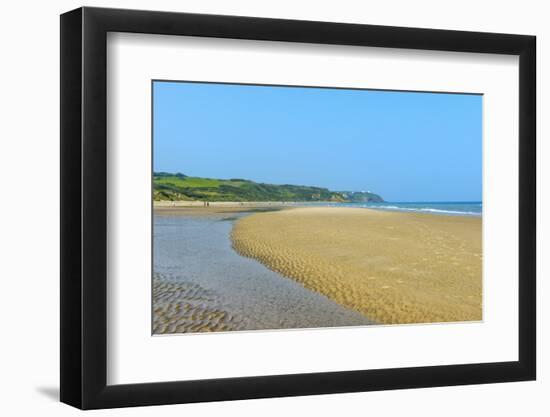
pixel 392 267
pixel 200 284
pixel 180 307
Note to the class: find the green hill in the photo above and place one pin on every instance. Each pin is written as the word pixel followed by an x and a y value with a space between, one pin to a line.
pixel 180 187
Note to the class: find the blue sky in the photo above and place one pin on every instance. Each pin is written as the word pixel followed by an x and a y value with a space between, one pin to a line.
pixel 404 146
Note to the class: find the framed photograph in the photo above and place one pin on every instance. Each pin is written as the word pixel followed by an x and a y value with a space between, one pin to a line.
pixel 257 208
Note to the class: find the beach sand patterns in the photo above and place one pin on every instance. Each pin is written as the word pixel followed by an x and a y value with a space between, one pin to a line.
pixel 391 267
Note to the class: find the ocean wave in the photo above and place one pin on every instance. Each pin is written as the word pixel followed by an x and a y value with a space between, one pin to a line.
pixel 426 210
pixel 472 213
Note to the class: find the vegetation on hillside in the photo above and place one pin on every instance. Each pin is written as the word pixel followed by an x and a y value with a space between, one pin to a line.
pixel 180 187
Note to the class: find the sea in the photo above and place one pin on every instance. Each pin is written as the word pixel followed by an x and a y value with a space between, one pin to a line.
pixel 455 208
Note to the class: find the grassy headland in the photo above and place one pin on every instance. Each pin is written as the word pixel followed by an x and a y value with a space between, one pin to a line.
pixel 180 187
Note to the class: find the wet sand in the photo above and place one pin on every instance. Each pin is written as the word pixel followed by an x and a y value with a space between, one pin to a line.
pixel 391 267
pixel 219 212
pixel 200 284
pixel 222 204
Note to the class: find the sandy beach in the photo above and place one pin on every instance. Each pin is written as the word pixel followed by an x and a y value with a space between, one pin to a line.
pixel 214 211
pixel 200 284
pixel 392 267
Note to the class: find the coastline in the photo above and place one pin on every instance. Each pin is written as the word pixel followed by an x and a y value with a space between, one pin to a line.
pixel 473 209
pixel 232 204
pixel 393 267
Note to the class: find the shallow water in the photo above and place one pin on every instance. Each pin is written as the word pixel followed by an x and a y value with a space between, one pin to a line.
pixel 202 284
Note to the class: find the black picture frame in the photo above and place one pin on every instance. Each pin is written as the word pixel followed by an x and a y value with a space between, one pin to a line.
pixel 84 207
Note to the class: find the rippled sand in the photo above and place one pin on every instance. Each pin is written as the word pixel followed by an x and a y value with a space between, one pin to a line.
pixel 391 267
pixel 200 284
pixel 186 307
